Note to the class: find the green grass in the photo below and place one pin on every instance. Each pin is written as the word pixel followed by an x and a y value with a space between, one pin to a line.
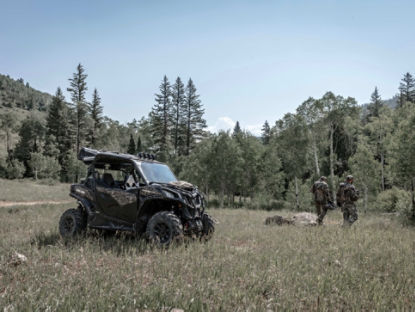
pixel 29 190
pixel 246 266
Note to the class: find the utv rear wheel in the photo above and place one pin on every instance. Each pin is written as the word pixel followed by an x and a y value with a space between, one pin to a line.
pixel 72 223
pixel 164 228
pixel 208 227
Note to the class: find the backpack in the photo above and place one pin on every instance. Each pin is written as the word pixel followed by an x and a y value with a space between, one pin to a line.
pixel 319 192
pixel 341 196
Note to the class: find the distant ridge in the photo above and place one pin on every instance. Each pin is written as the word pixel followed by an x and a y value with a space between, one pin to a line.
pixel 18 94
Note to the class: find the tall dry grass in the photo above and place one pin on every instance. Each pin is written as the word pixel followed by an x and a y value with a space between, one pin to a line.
pixel 246 266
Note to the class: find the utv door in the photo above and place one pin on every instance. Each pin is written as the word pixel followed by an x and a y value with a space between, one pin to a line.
pixel 117 203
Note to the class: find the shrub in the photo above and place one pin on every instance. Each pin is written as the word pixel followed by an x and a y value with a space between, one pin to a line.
pixel 44 166
pixel 264 202
pixel 393 200
pixel 14 169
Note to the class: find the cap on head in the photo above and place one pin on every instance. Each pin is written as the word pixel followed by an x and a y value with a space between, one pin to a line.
pixel 323 178
pixel 349 177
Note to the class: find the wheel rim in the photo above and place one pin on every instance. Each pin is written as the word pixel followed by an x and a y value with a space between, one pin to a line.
pixel 68 224
pixel 162 232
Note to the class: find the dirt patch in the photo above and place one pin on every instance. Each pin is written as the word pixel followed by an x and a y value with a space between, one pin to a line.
pixel 33 203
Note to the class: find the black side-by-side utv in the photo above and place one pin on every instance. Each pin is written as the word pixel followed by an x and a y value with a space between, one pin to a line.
pixel 124 192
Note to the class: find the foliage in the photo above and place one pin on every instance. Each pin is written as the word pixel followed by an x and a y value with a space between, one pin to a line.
pixel 393 200
pixel 329 136
pixel 131 146
pixel 193 121
pixel 77 89
pixel 95 111
pixel 16 94
pixel 44 166
pixel 11 169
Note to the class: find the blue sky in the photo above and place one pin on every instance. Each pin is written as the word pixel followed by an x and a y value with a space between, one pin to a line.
pixel 250 60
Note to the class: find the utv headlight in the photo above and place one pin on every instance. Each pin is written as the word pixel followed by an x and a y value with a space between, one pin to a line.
pixel 168 194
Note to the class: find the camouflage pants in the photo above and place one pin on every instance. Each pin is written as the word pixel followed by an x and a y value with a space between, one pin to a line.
pixel 349 214
pixel 321 212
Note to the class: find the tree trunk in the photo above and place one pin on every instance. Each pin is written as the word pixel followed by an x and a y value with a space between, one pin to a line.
pixel 365 190
pixel 207 192
pixel 8 141
pixel 315 153
pixel 333 187
pixel 297 202
pixel 413 197
pixel 188 131
pixel 382 168
pixel 221 194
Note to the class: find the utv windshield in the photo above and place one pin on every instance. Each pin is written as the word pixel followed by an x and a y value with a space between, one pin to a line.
pixel 158 173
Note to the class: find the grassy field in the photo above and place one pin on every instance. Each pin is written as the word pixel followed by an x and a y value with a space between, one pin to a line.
pixel 29 190
pixel 246 266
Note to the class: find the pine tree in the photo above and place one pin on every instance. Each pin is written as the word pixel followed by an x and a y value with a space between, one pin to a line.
pixel 131 146
pixel 407 89
pixel 193 120
pixel 31 134
pixel 160 119
pixel 375 105
pixel 78 89
pixel 95 110
pixel 266 133
pixel 58 132
pixel 237 129
pixel 178 104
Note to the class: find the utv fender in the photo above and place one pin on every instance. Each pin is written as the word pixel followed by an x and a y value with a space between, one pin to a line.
pixel 84 203
pixel 150 207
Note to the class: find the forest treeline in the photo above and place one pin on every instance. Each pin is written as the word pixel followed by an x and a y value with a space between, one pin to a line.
pixel 331 136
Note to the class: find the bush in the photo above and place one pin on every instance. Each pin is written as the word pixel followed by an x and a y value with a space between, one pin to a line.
pixel 404 207
pixel 264 202
pixel 393 200
pixel 13 169
pixel 44 166
pixel 260 202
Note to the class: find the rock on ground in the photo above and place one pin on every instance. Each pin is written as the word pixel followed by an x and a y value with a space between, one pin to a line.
pixel 278 220
pixel 303 218
pixel 17 259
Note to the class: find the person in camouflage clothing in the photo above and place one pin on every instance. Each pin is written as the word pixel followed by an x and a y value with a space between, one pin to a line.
pixel 347 195
pixel 322 200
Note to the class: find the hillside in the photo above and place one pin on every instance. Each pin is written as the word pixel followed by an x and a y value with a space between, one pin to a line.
pixel 20 95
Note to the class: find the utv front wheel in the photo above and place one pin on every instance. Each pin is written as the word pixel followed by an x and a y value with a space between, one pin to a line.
pixel 72 223
pixel 164 228
pixel 208 227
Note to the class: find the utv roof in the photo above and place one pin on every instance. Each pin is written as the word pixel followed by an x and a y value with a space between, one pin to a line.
pixel 89 155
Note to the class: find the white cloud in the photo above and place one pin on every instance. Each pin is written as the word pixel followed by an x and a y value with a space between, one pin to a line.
pixel 226 123
pixel 254 129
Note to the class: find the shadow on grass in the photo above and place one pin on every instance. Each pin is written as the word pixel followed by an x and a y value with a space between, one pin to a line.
pixel 118 243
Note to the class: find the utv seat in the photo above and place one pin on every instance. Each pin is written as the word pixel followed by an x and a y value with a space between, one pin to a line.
pixel 108 180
